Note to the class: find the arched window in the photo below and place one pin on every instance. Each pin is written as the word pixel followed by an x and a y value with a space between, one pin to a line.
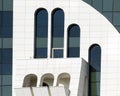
pixel 94 70
pixel 73 41
pixel 41 33
pixel 47 80
pixel 30 80
pixel 63 80
pixel 57 33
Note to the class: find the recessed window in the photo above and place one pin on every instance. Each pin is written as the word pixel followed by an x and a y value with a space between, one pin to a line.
pixel 57 33
pixel 94 70
pixel 73 44
pixel 41 33
pixel 57 53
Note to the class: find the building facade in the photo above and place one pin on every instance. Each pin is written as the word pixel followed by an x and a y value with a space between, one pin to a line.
pixel 31 45
pixel 66 44
pixel 6 30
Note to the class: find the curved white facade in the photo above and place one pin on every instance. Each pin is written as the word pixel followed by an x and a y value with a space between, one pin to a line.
pixel 95 29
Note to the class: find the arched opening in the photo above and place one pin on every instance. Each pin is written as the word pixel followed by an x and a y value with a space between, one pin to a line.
pixel 41 33
pixel 47 80
pixel 57 36
pixel 30 80
pixel 94 70
pixel 73 44
pixel 63 80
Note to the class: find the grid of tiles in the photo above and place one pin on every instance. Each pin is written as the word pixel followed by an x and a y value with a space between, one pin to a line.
pixel 109 8
pixel 6 24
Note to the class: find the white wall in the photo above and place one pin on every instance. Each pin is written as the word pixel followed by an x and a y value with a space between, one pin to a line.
pixel 94 29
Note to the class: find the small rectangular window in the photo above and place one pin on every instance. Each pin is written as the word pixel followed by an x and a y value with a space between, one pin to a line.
pixel 57 52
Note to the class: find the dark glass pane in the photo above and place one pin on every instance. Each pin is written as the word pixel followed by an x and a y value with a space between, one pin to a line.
pixel 0 5
pixel 41 33
pixel 94 77
pixel 41 52
pixel 87 1
pixel 107 6
pixel 41 23
pixel 116 5
pixel 74 31
pixel 0 19
pixel 7 18
pixel 7 69
pixel 7 56
pixel 0 56
pixel 95 57
pixel 116 18
pixel 58 42
pixel 118 28
pixel 95 89
pixel 0 69
pixel 58 23
pixel 108 15
pixel 7 32
pixel 73 52
pixel 97 4
pixel 7 5
pixel 6 90
pixel 58 53
pixel 94 70
pixel 7 80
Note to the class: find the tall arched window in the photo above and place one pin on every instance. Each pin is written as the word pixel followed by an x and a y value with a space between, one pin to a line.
pixel 73 41
pixel 30 80
pixel 94 70
pixel 57 33
pixel 41 33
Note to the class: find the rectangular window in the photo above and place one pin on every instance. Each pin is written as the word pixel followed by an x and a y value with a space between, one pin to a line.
pixel 57 52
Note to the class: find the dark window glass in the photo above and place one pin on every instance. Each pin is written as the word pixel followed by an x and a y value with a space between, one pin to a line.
pixel 7 18
pixel 73 52
pixel 0 5
pixel 108 15
pixel 6 90
pixel 7 32
pixel 58 23
pixel 41 23
pixel 41 33
pixel 7 5
pixel 73 41
pixel 7 69
pixel 58 53
pixel 74 31
pixel 7 56
pixel 94 70
pixel 116 5
pixel 0 56
pixel 41 52
pixel 6 80
pixel 57 32
pixel 95 57
pixel 97 4
pixel 0 19
pixel 116 18
pixel 7 24
pixel 107 6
